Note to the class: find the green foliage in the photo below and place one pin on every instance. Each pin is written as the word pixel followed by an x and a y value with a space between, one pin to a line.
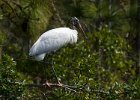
pixel 122 91
pixel 89 9
pixel 12 82
pixel 104 69
pixel 114 48
pixel 2 37
pixel 79 64
pixel 40 15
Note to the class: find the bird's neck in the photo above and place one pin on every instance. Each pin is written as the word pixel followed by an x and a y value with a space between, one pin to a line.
pixel 73 27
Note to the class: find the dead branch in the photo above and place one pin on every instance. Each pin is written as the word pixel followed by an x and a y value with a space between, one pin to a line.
pixel 76 89
pixel 57 13
pixel 51 85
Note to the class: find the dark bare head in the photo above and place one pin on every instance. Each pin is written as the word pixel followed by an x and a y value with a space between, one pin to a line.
pixel 76 24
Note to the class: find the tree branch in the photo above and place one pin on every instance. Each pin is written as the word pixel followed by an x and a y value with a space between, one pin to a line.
pixel 57 14
pixel 6 2
pixel 75 89
pixel 51 85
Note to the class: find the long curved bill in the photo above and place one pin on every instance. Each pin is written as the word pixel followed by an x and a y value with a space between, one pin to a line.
pixel 83 33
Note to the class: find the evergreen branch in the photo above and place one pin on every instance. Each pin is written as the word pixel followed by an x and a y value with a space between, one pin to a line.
pixel 6 2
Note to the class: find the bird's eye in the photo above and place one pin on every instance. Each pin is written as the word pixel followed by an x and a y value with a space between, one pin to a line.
pixel 74 21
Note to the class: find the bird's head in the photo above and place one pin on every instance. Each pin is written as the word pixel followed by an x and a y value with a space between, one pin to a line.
pixel 74 22
pixel 76 25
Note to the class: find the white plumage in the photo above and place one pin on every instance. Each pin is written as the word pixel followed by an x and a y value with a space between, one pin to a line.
pixel 52 40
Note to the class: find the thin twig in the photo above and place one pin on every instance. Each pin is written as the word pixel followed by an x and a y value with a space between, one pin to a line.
pixel 51 85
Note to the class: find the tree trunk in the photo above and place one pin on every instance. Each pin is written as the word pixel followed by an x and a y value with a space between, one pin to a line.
pixel 74 2
pixel 138 32
pixel 110 12
pixel 136 26
pixel 0 53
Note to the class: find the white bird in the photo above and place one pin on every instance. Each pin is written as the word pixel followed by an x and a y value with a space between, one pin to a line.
pixel 51 41
pixel 54 39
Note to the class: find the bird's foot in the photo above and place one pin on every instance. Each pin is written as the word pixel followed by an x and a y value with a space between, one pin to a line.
pixel 59 84
pixel 47 83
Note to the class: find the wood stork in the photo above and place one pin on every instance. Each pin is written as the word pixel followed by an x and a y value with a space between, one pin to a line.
pixel 54 39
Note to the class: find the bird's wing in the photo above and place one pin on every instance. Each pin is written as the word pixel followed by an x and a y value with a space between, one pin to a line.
pixel 48 42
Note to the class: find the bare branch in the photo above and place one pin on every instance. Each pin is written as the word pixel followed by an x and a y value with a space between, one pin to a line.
pixel 57 13
pixel 51 85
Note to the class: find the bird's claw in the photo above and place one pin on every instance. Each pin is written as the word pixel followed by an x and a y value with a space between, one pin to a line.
pixel 47 83
pixel 60 84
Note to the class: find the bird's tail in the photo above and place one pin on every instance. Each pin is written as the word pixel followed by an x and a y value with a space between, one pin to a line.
pixel 40 57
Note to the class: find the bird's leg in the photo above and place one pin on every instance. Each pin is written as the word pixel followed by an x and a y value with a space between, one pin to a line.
pixel 45 72
pixel 59 83
pixel 47 82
